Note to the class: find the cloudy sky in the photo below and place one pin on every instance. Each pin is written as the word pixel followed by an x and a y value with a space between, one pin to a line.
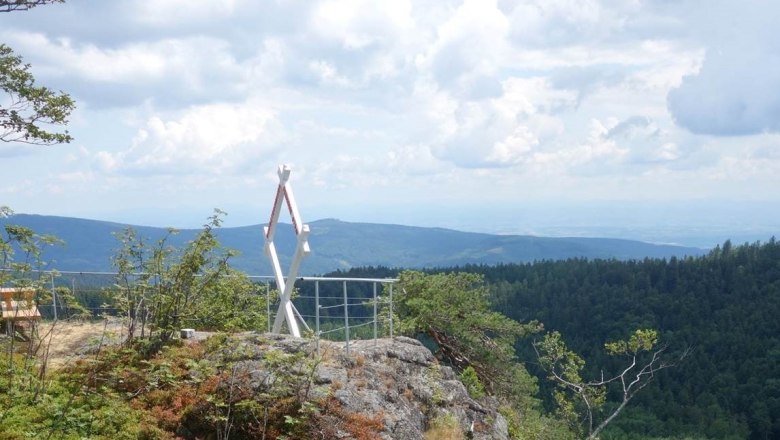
pixel 658 119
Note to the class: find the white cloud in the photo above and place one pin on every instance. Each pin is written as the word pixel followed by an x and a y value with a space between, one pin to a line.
pixel 75 177
pixel 173 12
pixel 14 150
pixel 729 95
pixel 343 171
pixel 210 139
pixel 637 145
pixel 357 44
pixel 358 24
pixel 644 139
pixel 170 71
pixel 137 61
pixel 735 91
pixel 557 22
pixel 470 43
pixel 631 56
pixel 597 155
pixel 21 187
pixel 501 131
pixel 414 160
pixel 328 74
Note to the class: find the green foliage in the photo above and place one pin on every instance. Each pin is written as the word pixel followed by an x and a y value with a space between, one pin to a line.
pixel 21 262
pixel 21 254
pixel 723 304
pixel 31 401
pixel 162 289
pixel 470 379
pixel 232 303
pixel 156 387
pixel 28 108
pixel 532 425
pixel 565 367
pixel 641 340
pixel 225 387
pixel 67 301
pixel 555 355
pixel 60 406
pixel 580 402
pixel 454 311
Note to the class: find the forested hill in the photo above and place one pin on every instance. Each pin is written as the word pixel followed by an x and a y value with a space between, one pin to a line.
pixel 726 306
pixel 89 245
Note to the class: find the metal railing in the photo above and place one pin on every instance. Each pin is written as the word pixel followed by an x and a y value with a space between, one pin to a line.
pixel 365 307
pixel 336 309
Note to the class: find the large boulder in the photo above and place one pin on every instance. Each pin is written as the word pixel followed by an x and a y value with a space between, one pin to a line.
pixel 398 380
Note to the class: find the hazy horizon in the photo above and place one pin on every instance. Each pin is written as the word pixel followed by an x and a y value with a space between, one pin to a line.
pixel 698 227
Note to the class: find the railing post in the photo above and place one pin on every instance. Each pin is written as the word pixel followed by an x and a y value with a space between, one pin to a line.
pixel 391 310
pixel 317 314
pixel 73 287
pixel 346 317
pixel 268 305
pixel 375 317
pixel 53 296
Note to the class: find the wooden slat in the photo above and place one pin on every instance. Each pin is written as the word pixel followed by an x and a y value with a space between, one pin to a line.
pixel 18 310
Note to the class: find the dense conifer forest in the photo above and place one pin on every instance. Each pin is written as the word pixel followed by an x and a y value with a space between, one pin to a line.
pixel 724 306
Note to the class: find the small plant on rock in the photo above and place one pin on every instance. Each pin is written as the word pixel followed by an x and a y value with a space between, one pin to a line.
pixel 471 381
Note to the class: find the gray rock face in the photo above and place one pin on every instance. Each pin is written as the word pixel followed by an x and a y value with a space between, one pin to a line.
pixel 401 380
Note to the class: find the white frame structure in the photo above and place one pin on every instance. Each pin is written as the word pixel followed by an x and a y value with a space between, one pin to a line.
pixel 286 311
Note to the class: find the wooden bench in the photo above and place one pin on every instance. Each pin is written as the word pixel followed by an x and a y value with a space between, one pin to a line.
pixel 18 307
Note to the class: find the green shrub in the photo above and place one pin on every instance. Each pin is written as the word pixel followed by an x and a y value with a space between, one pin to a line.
pixel 473 385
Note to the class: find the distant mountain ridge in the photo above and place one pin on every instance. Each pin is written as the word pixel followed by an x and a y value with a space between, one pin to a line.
pixel 337 244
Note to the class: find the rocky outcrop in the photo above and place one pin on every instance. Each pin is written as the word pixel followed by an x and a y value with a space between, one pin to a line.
pixel 398 380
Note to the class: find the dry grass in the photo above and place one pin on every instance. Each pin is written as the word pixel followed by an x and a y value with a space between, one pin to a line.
pixel 360 360
pixel 444 428
pixel 70 339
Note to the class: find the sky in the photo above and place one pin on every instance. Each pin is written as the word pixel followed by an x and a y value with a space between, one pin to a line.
pixel 656 119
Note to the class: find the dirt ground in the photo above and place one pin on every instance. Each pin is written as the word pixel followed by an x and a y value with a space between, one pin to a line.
pixel 69 340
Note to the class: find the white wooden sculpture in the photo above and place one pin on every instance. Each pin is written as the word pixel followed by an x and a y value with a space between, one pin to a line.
pixel 286 311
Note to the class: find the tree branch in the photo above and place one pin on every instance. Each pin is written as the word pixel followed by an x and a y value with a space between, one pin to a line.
pixel 564 366
pixel 24 5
